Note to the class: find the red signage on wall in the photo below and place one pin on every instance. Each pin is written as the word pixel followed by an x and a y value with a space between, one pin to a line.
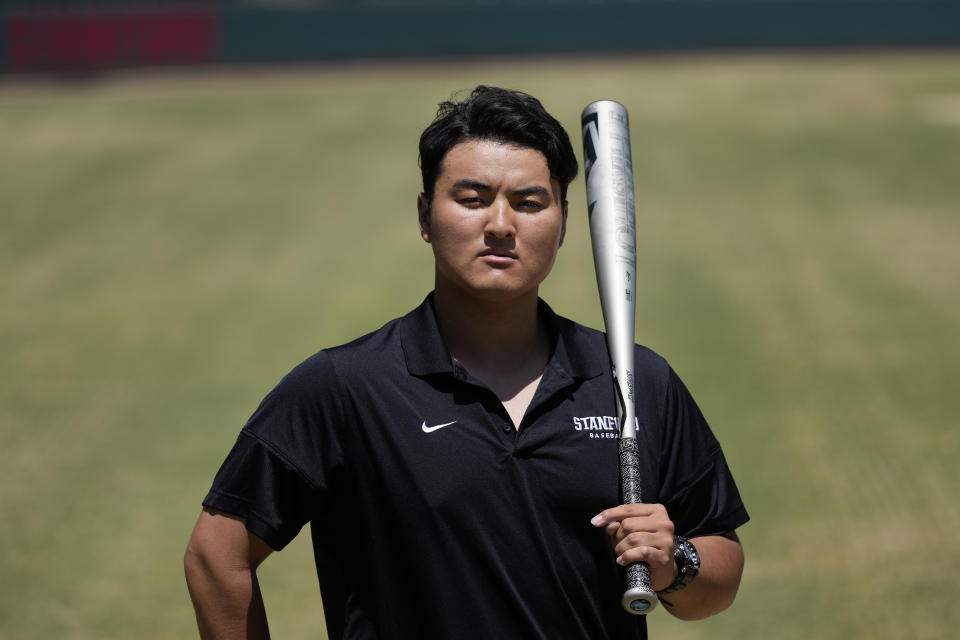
pixel 104 38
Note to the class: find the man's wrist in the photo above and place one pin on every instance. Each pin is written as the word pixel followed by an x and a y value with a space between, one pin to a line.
pixel 687 560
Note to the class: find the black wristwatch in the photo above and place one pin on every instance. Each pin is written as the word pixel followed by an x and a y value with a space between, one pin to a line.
pixel 688 564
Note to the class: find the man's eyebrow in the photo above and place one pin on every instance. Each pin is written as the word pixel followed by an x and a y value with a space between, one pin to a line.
pixel 535 190
pixel 476 185
pixel 469 183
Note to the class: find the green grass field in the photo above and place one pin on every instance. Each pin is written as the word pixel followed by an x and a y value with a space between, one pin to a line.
pixel 171 246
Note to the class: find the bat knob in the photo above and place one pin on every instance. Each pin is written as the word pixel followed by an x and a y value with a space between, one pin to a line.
pixel 639 601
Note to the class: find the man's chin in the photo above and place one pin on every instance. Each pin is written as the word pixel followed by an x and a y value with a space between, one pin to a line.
pixel 503 293
pixel 497 287
pixel 498 293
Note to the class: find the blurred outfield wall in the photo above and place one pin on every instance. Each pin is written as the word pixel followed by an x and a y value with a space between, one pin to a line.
pixel 86 36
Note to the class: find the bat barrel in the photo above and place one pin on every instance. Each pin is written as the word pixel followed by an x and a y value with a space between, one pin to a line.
pixel 610 204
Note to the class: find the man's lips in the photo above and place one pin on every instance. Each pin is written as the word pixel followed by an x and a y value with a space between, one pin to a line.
pixel 498 256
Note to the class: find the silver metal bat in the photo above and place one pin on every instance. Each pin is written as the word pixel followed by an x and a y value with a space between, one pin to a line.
pixel 610 203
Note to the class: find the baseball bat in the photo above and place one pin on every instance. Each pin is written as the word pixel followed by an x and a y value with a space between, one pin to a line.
pixel 610 205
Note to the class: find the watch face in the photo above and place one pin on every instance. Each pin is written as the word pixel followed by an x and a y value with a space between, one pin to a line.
pixel 688 564
pixel 688 559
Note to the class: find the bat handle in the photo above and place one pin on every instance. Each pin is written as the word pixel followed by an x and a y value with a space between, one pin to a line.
pixel 639 598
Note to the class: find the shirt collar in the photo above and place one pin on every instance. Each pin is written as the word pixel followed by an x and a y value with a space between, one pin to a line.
pixel 426 353
pixel 423 347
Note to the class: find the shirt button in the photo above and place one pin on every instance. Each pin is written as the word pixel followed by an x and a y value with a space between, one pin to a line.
pixel 507 427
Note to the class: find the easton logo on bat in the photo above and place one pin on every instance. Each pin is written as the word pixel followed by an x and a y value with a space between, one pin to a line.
pixel 590 151
pixel 621 177
pixel 589 146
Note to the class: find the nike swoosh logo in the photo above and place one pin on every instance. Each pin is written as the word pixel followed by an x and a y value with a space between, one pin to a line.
pixel 427 429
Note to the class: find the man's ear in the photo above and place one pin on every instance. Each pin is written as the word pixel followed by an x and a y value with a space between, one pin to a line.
pixel 423 216
pixel 563 225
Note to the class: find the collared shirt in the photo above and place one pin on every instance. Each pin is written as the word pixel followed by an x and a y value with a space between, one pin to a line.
pixel 433 517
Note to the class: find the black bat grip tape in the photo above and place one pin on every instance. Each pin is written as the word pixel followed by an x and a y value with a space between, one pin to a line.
pixel 639 597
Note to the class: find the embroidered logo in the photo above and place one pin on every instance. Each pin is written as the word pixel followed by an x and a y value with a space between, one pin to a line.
pixel 427 429
pixel 598 426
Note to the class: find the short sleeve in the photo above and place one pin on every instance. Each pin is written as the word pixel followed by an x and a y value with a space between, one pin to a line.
pixel 696 487
pixel 287 460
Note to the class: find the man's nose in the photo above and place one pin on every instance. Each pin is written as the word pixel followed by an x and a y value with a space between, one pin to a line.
pixel 500 220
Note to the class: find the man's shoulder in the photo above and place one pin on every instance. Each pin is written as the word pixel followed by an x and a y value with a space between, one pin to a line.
pixel 324 372
pixel 369 343
pixel 647 359
pixel 593 343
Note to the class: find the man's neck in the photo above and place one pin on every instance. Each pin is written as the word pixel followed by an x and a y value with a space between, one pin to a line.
pixel 500 334
pixel 501 343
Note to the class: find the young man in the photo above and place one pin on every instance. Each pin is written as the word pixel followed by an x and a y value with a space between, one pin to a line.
pixel 458 466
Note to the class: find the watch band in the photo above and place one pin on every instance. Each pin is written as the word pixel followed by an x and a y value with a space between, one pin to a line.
pixel 688 564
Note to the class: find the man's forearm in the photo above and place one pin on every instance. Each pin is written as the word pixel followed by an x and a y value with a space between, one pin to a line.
pixel 227 600
pixel 715 587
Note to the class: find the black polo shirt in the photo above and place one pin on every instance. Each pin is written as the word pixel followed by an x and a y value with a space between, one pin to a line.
pixel 433 517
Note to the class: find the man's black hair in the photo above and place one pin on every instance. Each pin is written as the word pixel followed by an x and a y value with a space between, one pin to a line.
pixel 499 115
